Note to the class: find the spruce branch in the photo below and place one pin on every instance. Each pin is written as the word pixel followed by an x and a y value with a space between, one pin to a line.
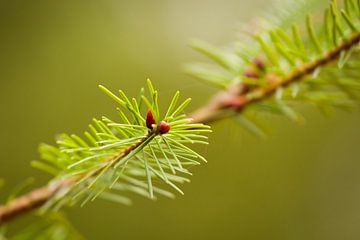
pixel 230 99
pixel 277 69
pixel 314 63
pixel 114 158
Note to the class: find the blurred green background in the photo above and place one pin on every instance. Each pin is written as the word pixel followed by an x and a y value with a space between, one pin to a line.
pixel 302 182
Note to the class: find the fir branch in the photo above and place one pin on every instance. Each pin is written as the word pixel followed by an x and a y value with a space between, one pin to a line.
pixel 127 156
pixel 114 158
pixel 230 100
pixel 269 67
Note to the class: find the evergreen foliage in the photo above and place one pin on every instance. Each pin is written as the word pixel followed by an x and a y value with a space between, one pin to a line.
pixel 269 64
pixel 146 151
pixel 133 154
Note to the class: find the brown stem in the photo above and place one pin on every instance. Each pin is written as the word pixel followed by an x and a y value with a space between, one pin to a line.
pixel 217 109
pixel 26 203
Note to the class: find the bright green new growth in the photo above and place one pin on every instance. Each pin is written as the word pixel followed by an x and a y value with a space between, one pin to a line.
pixel 116 157
pixel 284 52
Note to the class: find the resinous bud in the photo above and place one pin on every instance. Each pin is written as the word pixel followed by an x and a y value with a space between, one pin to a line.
pixel 150 120
pixel 163 127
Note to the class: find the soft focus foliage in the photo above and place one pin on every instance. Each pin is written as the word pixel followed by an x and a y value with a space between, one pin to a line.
pixel 275 54
pixel 49 226
pixel 302 184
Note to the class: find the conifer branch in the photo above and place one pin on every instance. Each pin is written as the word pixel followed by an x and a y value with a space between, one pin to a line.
pixel 40 196
pixel 121 155
pixel 230 99
pixel 276 69
pixel 127 156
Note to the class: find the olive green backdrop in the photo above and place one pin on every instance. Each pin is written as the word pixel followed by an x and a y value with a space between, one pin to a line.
pixel 302 182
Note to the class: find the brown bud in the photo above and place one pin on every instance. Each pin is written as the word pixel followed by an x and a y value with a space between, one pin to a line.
pixel 163 127
pixel 150 120
pixel 244 88
pixel 235 103
pixel 250 72
pixel 259 63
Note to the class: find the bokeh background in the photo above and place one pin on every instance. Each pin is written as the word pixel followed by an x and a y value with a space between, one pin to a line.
pixel 302 182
